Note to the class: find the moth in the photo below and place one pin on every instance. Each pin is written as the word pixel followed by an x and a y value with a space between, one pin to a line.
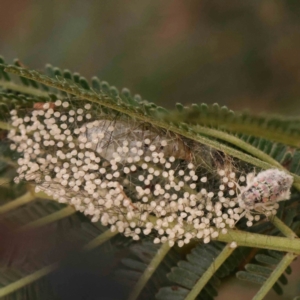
pixel 265 189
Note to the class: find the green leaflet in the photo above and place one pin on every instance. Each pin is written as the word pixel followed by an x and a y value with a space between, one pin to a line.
pixel 187 272
pixel 134 265
pixel 258 273
pixel 36 290
pixel 285 155
pixel 276 128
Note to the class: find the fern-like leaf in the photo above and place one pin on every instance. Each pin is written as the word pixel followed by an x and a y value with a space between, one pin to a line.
pixel 135 265
pixel 195 274
pixel 259 273
pixel 278 129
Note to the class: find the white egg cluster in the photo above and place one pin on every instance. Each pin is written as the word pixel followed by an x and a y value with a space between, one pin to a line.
pixel 126 174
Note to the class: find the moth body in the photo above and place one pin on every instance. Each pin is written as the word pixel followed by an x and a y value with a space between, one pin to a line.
pixel 265 189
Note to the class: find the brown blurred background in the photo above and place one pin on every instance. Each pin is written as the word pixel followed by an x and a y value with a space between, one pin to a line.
pixel 244 54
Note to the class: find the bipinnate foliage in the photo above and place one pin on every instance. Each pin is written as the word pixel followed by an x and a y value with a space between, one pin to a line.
pixel 275 128
pixel 214 138
pixel 259 273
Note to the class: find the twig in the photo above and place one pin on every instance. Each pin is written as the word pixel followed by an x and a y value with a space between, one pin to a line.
pixel 152 266
pixel 226 252
pixel 280 268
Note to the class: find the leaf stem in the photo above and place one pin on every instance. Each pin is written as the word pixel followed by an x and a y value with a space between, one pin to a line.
pixel 152 266
pixel 248 148
pixel 248 239
pixel 26 198
pixel 280 268
pixel 288 232
pixel 108 234
pixel 9 85
pixel 27 280
pixel 255 130
pixel 4 181
pixel 62 213
pixel 226 252
pixel 284 263
pixel 5 126
pixel 256 240
pixel 9 161
pixel 239 143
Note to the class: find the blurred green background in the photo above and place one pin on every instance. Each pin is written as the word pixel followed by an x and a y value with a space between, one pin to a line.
pixel 244 54
pixel 239 53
